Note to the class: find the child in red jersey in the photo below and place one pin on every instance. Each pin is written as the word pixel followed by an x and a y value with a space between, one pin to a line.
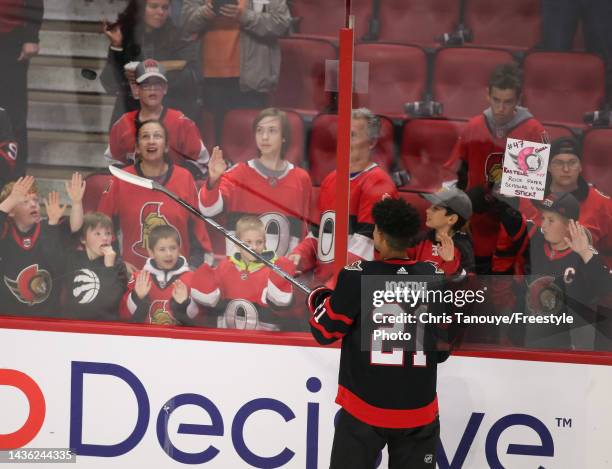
pixel 159 293
pixel 444 243
pixel 243 292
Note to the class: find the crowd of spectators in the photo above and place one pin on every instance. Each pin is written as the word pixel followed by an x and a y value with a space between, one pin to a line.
pixel 142 258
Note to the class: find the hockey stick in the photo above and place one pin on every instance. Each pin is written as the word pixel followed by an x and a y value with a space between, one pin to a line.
pixel 152 185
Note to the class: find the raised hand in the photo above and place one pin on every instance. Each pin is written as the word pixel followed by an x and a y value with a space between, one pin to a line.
pixel 207 11
pixel 19 193
pixel 230 11
pixel 113 33
pixel 180 292
pixel 21 189
pixel 579 241
pixel 143 284
pixel 447 247
pixel 55 210
pixel 216 166
pixel 75 188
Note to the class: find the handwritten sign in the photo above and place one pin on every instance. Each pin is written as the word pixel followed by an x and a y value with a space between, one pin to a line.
pixel 524 171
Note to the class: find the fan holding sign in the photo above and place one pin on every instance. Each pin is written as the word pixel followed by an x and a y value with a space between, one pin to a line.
pixel 524 170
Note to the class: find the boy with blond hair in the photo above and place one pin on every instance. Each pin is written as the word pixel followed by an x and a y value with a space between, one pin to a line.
pixel 242 291
pixel 31 248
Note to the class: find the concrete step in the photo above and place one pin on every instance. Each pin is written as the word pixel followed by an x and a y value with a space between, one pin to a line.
pixel 75 117
pixel 64 74
pixel 55 97
pixel 67 149
pixel 73 44
pixel 83 10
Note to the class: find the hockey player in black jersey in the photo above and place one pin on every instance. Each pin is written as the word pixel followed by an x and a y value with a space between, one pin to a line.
pixel 387 398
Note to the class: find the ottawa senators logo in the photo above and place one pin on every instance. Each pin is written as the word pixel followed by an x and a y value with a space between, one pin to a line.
pixel 528 160
pixel 150 217
pixel 32 286
pixel 160 314
pixel 494 168
pixel 8 151
pixel 544 296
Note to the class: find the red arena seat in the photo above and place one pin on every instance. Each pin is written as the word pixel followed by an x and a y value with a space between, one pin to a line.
pixel 324 18
pixel 597 159
pixel 561 87
pixel 96 184
pixel 322 148
pixel 207 130
pixel 301 85
pixel 461 76
pixel 238 139
pixel 514 24
pixel 398 74
pixel 426 146
pixel 557 131
pixel 417 21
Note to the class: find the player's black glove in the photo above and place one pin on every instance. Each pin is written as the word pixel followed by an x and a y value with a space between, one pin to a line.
pixel 317 296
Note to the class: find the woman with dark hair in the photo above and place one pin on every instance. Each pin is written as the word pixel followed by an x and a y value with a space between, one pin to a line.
pixel 139 210
pixel 142 31
pixel 268 186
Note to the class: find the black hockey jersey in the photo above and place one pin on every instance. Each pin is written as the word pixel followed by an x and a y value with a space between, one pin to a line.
pixel 93 291
pixel 8 148
pixel 581 283
pixel 385 388
pixel 30 266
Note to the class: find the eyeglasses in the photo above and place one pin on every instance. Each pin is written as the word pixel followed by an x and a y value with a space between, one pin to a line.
pixel 571 164
pixel 152 86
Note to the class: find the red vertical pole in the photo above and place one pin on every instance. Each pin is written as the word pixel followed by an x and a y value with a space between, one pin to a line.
pixel 343 149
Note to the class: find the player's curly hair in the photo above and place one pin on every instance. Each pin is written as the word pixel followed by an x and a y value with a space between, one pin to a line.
pixel 397 220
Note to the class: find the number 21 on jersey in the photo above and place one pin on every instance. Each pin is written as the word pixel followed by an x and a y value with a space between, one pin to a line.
pixel 396 328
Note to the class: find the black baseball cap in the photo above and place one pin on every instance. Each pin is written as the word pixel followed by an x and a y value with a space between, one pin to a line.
pixel 565 145
pixel 563 203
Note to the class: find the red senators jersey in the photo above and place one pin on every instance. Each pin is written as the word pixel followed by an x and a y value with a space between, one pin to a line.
pixel 280 198
pixel 366 188
pixel 483 152
pixel 158 307
pixel 426 249
pixel 245 295
pixel 139 210
pixel 185 144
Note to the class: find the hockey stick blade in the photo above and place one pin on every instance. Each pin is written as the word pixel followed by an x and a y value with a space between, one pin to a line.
pixel 131 178
pixel 152 185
